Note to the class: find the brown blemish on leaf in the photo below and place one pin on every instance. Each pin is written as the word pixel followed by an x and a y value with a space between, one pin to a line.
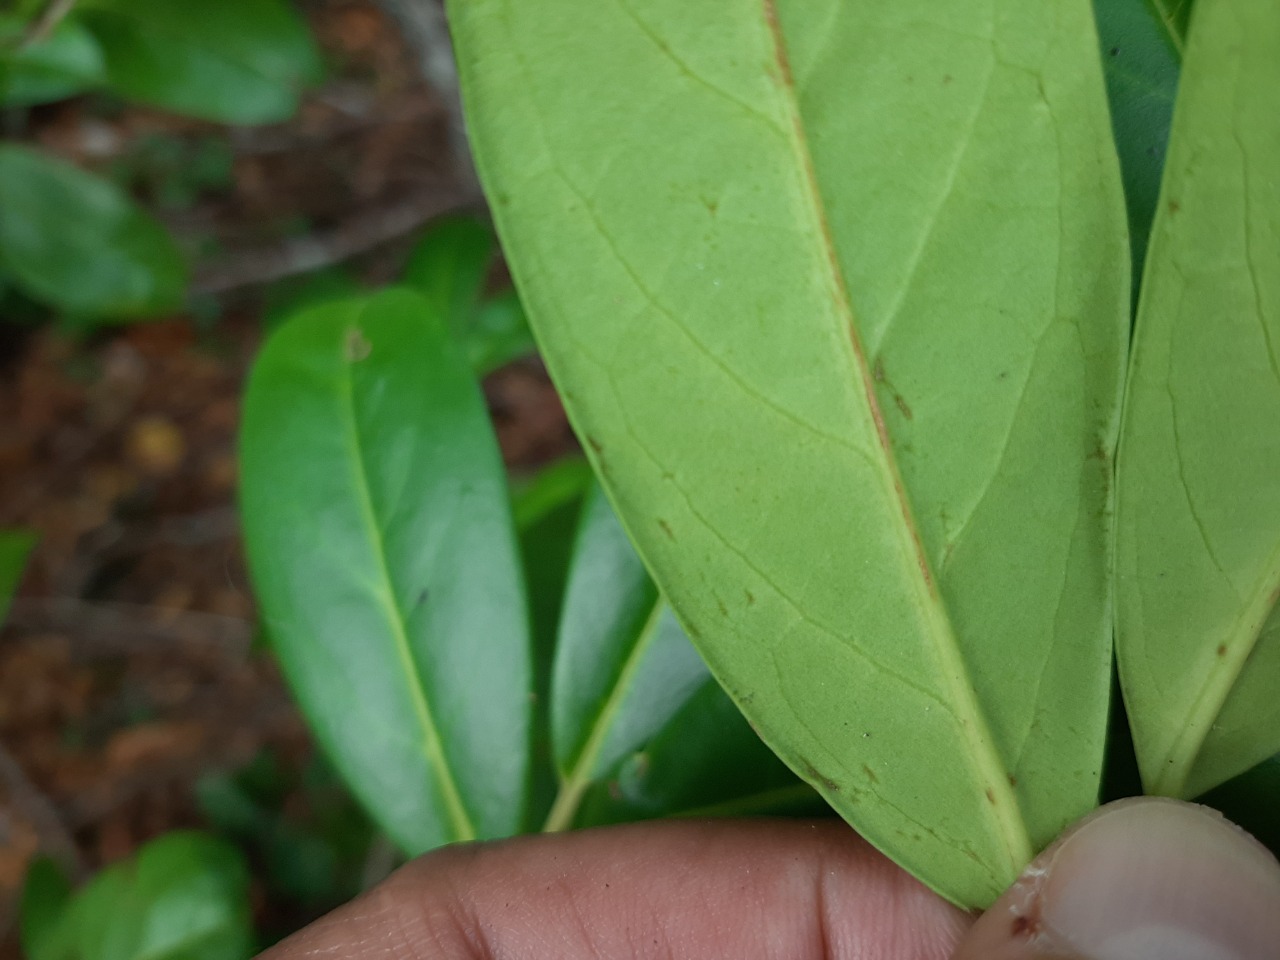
pixel 811 772
pixel 991 796
pixel 1013 781
pixel 751 598
pixel 355 347
pixel 1222 649
pixel 871 774
pixel 595 444
pixel 666 528
pixel 724 611
pixel 1174 206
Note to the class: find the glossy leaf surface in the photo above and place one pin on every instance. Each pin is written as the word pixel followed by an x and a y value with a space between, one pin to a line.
pixel 67 62
pixel 382 549
pixel 1198 537
pixel 1141 61
pixel 184 897
pixel 836 297
pixel 77 242
pixel 233 61
pixel 623 666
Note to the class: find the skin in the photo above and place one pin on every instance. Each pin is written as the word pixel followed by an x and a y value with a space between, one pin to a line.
pixel 788 890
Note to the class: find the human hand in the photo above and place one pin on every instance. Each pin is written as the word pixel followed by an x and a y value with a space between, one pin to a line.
pixel 1144 880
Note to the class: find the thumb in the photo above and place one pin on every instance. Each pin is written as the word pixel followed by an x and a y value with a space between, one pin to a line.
pixel 1146 879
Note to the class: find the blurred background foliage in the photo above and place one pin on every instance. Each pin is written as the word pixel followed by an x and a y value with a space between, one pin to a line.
pixel 176 180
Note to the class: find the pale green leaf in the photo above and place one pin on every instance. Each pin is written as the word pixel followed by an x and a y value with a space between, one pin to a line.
pixel 888 537
pixel 1198 516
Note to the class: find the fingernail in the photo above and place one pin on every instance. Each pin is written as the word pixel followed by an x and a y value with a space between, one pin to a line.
pixel 1147 879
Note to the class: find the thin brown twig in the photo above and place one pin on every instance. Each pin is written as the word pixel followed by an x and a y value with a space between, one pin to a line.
pixel 426 31
pixel 325 249
pixel 54 836
pixel 54 13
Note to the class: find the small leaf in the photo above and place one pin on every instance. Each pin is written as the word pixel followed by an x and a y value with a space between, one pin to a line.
pixel 76 242
pixel 67 62
pixel 623 666
pixel 184 897
pixel 15 546
pixel 547 510
pixel 499 333
pixel 233 61
pixel 1198 562
pixel 448 267
pixel 380 538
pixel 1141 68
pixel 837 299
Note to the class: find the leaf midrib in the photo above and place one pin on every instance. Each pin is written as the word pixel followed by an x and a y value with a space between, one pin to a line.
pixel 432 743
pixel 988 765
pixel 581 774
pixel 1238 642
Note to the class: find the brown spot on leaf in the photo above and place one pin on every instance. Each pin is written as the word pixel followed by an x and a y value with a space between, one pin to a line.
pixel 595 444
pixel 1222 649
pixel 1174 206
pixel 355 347
pixel 666 528
pixel 871 774
pixel 811 772
pixel 751 598
pixel 991 796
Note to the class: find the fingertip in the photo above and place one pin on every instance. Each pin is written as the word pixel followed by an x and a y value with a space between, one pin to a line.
pixel 1144 879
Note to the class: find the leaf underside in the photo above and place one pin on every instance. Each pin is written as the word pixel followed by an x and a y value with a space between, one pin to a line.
pixel 1198 515
pixel 835 295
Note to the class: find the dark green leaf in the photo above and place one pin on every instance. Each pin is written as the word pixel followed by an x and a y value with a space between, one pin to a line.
pixel 623 666
pixel 185 897
pixel 448 267
pixel 1175 15
pixel 234 61
pixel 311 290
pixel 563 483
pixel 547 510
pixel 1141 68
pixel 1198 516
pixel 380 538
pixel 67 62
pixel 707 761
pixel 499 333
pixel 45 895
pixel 76 242
pixel 837 298
pixel 1251 800
pixel 15 545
